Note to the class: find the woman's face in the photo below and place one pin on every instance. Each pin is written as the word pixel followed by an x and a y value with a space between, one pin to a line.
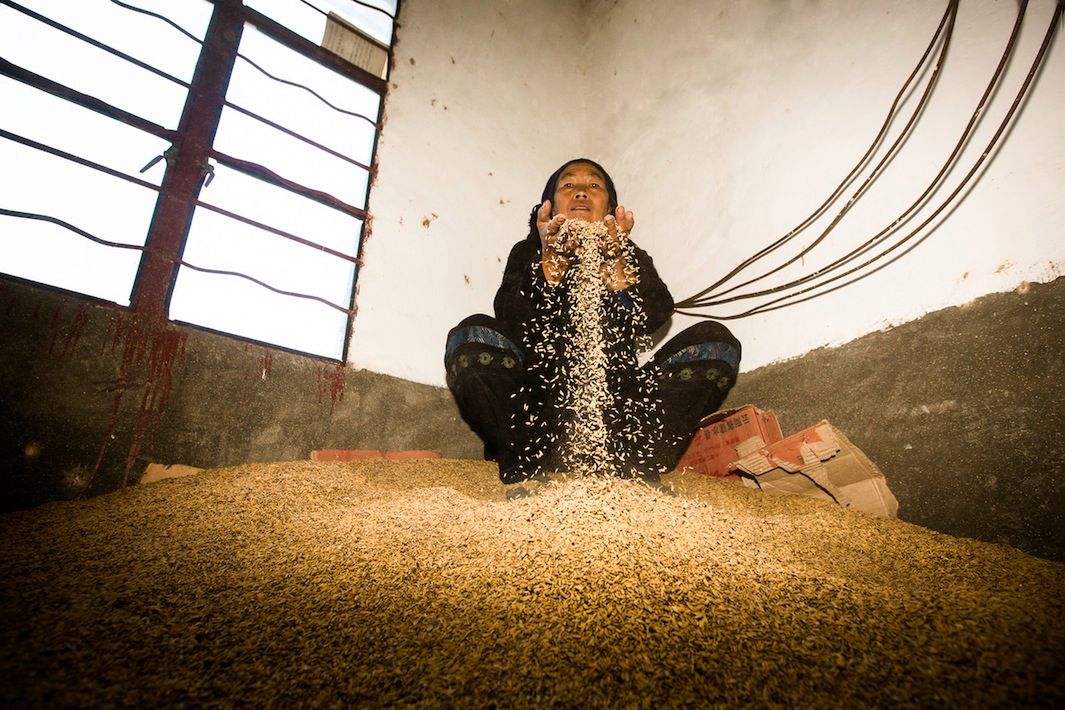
pixel 581 193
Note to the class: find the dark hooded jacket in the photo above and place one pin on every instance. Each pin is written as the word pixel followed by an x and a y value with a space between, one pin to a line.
pixel 535 314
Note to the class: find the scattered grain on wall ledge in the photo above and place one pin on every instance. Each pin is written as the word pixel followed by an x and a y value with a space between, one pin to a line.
pixel 420 582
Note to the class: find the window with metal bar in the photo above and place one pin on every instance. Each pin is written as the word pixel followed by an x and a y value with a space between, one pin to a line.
pixel 250 218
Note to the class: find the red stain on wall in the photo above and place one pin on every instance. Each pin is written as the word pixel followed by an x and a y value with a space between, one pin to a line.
pixel 261 370
pixel 155 346
pixel 331 379
pixel 73 333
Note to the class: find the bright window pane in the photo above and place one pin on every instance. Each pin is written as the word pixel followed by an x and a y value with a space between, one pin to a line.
pixel 115 210
pixel 245 138
pixel 247 196
pixel 232 304
pixel 58 56
pixel 235 306
pixel 36 182
pixel 60 124
pixel 106 207
pixel 301 112
pixel 252 312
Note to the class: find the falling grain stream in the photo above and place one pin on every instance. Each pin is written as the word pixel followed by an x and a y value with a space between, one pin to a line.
pixel 423 583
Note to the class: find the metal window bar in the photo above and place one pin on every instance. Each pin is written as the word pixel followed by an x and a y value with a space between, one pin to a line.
pixel 249 168
pixel 30 143
pixel 367 224
pixel 180 262
pixel 261 172
pixel 94 42
pixel 264 174
pixel 92 103
pixel 253 169
pixel 297 136
pixel 295 42
pixel 384 12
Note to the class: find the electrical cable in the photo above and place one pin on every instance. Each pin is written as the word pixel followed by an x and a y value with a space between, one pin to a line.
pixel 933 186
pixel 989 149
pixel 874 174
pixel 950 15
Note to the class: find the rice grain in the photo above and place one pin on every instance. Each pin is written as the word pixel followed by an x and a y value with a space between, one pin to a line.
pixel 421 583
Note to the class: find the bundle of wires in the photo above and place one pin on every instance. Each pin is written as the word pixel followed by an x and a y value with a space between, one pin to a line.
pixel 888 245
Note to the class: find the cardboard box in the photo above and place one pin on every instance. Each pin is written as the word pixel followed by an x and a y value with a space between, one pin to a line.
pixel 728 435
pixel 820 462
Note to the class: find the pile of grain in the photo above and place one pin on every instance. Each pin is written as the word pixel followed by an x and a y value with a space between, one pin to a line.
pixel 422 583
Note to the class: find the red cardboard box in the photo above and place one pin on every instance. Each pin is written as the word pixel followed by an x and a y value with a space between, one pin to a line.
pixel 725 437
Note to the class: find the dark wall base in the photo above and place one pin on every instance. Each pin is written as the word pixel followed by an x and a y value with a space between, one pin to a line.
pixel 962 410
pixel 91 395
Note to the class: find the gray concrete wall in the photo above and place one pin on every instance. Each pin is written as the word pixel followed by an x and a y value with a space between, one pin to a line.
pixel 962 409
pixel 72 385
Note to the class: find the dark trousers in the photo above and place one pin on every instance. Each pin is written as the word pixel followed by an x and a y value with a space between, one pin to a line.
pixel 489 375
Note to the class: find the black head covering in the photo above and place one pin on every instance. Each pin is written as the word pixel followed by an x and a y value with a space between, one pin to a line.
pixel 552 183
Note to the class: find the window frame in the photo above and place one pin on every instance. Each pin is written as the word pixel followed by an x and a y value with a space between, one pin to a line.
pixel 191 150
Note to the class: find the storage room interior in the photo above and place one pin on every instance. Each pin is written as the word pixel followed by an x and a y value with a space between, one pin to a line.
pixel 724 126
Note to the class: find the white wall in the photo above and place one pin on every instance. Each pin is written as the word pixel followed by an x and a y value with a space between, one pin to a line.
pixel 730 122
pixel 723 124
pixel 477 117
